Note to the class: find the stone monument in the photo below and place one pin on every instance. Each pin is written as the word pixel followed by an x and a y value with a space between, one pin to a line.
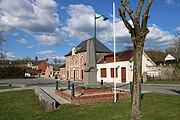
pixel 90 68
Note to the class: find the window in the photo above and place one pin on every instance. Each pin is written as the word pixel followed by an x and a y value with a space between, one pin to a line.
pixel 82 60
pixel 103 72
pixel 112 72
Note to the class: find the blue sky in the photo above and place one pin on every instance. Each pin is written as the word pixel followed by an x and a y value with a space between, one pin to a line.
pixel 50 28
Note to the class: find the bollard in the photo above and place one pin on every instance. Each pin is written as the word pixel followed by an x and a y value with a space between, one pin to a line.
pixel 131 87
pixel 72 90
pixel 69 84
pixel 56 85
pixel 101 82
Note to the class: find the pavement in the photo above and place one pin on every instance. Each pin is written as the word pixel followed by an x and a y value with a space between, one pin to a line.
pixel 50 91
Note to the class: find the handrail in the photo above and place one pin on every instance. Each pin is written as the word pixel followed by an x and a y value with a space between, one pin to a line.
pixel 69 87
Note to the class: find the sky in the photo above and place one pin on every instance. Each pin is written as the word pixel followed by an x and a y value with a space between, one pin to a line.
pixel 50 28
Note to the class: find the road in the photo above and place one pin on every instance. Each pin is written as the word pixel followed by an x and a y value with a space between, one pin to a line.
pixel 166 89
pixel 41 82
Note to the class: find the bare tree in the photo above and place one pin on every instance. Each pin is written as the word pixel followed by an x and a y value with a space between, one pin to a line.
pixel 46 59
pixel 55 60
pixel 2 42
pixel 176 44
pixel 36 59
pixel 138 33
pixel 59 61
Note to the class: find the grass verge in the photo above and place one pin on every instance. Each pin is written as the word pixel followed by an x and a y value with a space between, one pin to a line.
pixel 162 82
pixel 24 105
pixel 6 87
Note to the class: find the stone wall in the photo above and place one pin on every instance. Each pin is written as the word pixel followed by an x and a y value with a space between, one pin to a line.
pixel 167 72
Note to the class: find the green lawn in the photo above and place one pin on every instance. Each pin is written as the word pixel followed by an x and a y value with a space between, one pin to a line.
pixel 24 105
pixel 162 82
pixel 6 87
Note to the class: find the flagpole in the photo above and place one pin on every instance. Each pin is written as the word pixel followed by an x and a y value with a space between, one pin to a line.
pixel 114 34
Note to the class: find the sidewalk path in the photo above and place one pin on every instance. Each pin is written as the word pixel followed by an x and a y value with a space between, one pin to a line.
pixel 51 92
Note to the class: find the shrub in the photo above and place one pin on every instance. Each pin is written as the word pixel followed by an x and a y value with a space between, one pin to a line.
pixel 11 72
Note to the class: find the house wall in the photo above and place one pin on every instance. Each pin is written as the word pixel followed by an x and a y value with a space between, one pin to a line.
pixel 29 64
pixel 49 72
pixel 169 57
pixel 62 73
pixel 118 65
pixel 75 66
pixel 42 66
pixel 35 67
pixel 146 65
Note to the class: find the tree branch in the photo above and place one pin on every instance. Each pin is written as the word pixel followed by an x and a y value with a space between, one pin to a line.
pixel 124 3
pixel 126 23
pixel 145 17
pixel 139 9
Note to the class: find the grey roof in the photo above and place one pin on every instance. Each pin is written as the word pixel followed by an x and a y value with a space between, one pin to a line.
pixel 100 47
pixel 37 63
pixel 56 67
pixel 177 56
pixel 63 66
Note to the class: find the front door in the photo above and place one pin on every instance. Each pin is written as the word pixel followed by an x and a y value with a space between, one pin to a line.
pixel 123 75
pixel 82 74
pixel 74 74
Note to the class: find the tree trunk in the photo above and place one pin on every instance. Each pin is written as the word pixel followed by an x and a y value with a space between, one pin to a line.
pixel 137 79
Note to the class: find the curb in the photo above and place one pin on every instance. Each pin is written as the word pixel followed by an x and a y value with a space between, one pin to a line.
pixel 47 102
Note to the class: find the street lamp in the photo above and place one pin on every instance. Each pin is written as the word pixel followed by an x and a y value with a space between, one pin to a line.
pixel 95 18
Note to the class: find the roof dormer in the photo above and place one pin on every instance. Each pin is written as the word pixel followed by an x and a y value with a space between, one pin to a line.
pixel 73 51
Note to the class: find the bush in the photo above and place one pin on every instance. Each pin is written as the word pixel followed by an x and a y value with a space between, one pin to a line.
pixel 11 72
pixel 31 71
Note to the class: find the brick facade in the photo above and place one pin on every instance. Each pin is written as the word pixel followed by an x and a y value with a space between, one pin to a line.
pixel 41 66
pixel 75 65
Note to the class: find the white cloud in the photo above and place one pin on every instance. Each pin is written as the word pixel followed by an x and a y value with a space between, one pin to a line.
pixel 50 39
pixel 46 40
pixel 169 2
pixel 158 38
pixel 46 52
pixel 30 15
pixel 177 29
pixel 10 55
pixel 22 41
pixel 30 46
pixel 62 58
pixel 80 25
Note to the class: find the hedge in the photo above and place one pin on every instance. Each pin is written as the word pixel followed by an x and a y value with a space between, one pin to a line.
pixel 11 72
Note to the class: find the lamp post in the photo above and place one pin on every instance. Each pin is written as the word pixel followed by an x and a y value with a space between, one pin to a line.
pixel 95 18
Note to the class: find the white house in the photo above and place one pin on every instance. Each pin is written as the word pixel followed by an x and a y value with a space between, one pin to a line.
pixel 172 57
pixel 29 64
pixel 124 66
